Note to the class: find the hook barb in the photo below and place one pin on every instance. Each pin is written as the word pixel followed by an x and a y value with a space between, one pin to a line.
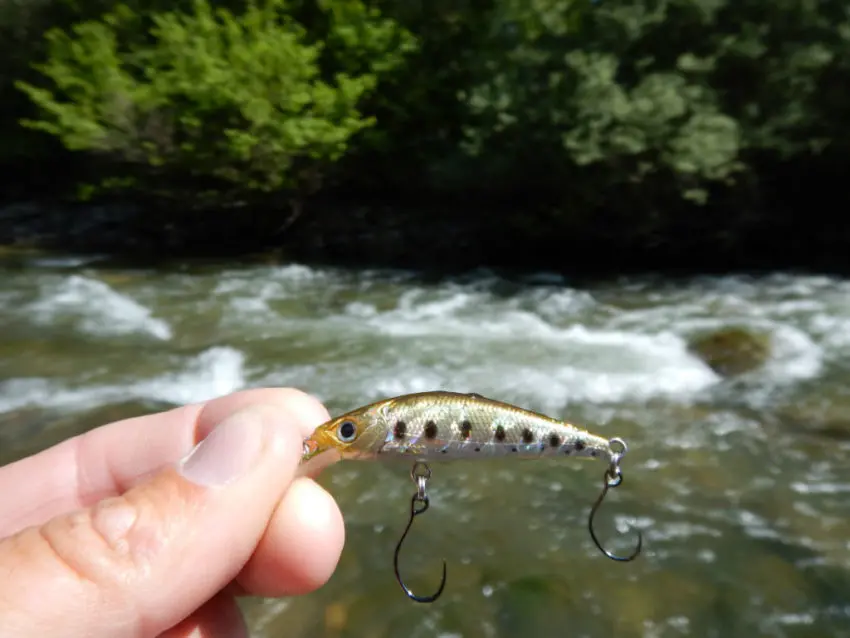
pixel 418 505
pixel 613 478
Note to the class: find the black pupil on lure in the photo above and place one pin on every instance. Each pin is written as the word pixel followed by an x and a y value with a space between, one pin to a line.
pixel 431 430
pixel 346 430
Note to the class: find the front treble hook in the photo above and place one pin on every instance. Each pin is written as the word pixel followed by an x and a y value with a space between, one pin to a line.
pixel 418 505
pixel 613 478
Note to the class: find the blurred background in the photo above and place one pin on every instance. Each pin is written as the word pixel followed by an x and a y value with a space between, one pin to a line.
pixel 627 214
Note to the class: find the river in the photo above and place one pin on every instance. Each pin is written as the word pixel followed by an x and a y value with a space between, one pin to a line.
pixel 741 486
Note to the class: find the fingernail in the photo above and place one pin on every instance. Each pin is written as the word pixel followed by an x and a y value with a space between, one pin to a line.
pixel 227 453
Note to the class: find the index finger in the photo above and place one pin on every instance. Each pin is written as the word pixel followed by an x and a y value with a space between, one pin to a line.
pixel 108 460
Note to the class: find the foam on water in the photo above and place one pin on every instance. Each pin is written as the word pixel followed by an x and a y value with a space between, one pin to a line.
pixel 210 374
pixel 554 344
pixel 833 331
pixel 660 368
pixel 94 308
pixel 795 355
pixel 213 373
pixel 36 392
pixel 378 334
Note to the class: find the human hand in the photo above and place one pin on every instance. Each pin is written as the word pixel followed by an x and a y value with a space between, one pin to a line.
pixel 131 530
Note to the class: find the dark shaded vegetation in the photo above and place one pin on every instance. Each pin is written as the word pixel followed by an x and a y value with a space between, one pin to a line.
pixel 572 134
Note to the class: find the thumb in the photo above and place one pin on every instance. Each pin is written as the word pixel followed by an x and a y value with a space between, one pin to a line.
pixel 141 562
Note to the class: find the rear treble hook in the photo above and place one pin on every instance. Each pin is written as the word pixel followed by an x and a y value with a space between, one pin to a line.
pixel 613 478
pixel 418 505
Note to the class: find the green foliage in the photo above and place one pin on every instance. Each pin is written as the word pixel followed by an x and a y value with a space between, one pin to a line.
pixel 639 116
pixel 210 94
pixel 571 78
pixel 660 102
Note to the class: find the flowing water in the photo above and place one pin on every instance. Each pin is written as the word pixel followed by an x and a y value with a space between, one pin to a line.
pixel 741 486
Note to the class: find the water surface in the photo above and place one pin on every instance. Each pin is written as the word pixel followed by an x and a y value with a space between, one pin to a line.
pixel 741 486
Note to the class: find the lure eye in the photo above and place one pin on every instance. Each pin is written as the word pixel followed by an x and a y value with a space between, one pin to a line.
pixel 346 431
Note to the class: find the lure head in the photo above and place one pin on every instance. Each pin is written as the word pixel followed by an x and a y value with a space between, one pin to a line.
pixel 351 435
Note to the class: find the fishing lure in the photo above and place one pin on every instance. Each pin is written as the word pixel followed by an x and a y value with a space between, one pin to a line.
pixel 439 425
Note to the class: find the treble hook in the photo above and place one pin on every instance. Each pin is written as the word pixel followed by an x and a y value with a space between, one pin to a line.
pixel 613 478
pixel 418 505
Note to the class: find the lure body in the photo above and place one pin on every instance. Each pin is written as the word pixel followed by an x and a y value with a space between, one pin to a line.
pixel 448 425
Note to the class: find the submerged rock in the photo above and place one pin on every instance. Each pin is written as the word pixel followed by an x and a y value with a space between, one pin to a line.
pixel 732 351
pixel 824 416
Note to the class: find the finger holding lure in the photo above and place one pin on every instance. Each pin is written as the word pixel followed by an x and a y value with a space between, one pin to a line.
pixel 442 426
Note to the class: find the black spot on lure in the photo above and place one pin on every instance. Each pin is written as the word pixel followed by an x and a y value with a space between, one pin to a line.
pixel 430 426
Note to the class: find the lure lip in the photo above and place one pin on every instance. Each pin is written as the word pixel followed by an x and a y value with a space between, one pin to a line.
pixel 315 444
pixel 310 448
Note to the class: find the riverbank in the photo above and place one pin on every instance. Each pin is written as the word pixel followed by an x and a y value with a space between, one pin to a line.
pixel 445 235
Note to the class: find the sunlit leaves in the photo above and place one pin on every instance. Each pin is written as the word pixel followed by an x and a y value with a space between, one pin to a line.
pixel 240 98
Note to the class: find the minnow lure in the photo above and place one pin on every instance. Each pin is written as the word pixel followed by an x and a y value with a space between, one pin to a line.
pixel 439 425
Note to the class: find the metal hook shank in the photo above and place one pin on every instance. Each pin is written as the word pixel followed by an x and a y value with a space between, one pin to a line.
pixel 612 478
pixel 421 498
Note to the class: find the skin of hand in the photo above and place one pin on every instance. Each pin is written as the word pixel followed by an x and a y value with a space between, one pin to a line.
pixel 154 525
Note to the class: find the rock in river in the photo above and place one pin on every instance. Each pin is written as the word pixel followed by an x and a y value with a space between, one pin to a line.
pixel 732 351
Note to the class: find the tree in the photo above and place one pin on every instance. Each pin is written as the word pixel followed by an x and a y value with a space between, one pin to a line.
pixel 237 103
